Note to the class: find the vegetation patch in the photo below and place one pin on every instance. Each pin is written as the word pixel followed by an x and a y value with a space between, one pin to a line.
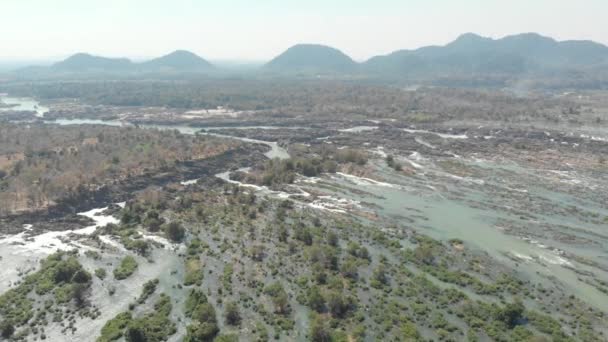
pixel 154 326
pixel 127 266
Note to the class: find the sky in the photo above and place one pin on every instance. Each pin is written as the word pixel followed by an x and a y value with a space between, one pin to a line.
pixel 258 30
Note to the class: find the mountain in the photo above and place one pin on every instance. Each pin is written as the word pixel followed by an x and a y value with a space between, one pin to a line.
pixel 471 53
pixel 179 60
pixel 312 58
pixel 470 59
pixel 83 62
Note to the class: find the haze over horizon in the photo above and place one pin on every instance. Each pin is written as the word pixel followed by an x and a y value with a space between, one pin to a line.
pixel 239 30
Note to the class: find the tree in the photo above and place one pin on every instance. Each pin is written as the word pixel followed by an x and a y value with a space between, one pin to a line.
pixel 135 333
pixel 409 332
pixel 349 268
pixel 81 277
pixel 304 235
pixel 332 239
pixel 282 232
pixel 319 274
pixel 79 294
pixel 201 332
pixel 511 313
pixel 281 302
pixel 140 247
pixel 174 231
pixel 319 332
pixel 231 313
pixel 205 326
pixel 153 221
pixel 129 216
pixel 6 329
pixel 205 312
pixel 279 297
pixel 336 303
pixel 315 299
pixel 257 252
pixel 379 277
pixel 425 254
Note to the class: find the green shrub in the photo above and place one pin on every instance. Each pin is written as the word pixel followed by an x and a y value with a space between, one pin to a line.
pixel 101 273
pixel 114 328
pixel 194 272
pixel 127 266
pixel 174 231
pixel 147 290
pixel 231 313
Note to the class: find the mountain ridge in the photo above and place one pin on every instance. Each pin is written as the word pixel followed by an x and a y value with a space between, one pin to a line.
pixel 179 60
pixel 85 62
pixel 466 56
pixel 471 53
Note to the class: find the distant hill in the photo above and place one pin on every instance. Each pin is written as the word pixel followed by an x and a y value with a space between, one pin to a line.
pixel 312 58
pixel 179 60
pixel 470 60
pixel 471 53
pixel 83 62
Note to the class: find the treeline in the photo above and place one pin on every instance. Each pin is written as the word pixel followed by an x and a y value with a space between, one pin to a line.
pixel 42 164
pixel 297 98
pixel 277 171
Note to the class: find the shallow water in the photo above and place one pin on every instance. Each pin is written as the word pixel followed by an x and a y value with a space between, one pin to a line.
pixel 442 135
pixel 358 129
pixel 446 206
pixel 24 104
pixel 439 203
pixel 22 252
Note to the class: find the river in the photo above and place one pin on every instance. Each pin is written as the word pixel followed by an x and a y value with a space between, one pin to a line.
pixel 446 206
pixel 24 104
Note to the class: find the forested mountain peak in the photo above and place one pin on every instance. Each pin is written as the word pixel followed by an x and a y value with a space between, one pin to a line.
pixel 179 60
pixel 312 57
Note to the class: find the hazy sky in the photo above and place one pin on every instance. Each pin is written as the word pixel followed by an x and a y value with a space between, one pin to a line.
pixel 260 29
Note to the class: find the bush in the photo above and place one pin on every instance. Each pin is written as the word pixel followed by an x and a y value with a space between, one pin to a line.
pixel 231 313
pixel 227 338
pixel 147 290
pixel 279 297
pixel 204 327
pixel 379 277
pixel 349 268
pixel 201 332
pixel 227 277
pixel 319 331
pixel 257 252
pixel 100 273
pixel 174 231
pixel 127 266
pixel 337 304
pixel 114 328
pixel 139 246
pixel 315 300
pixel 153 221
pixel 6 329
pixel 153 326
pixel 195 298
pixel 511 313
pixel 194 272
